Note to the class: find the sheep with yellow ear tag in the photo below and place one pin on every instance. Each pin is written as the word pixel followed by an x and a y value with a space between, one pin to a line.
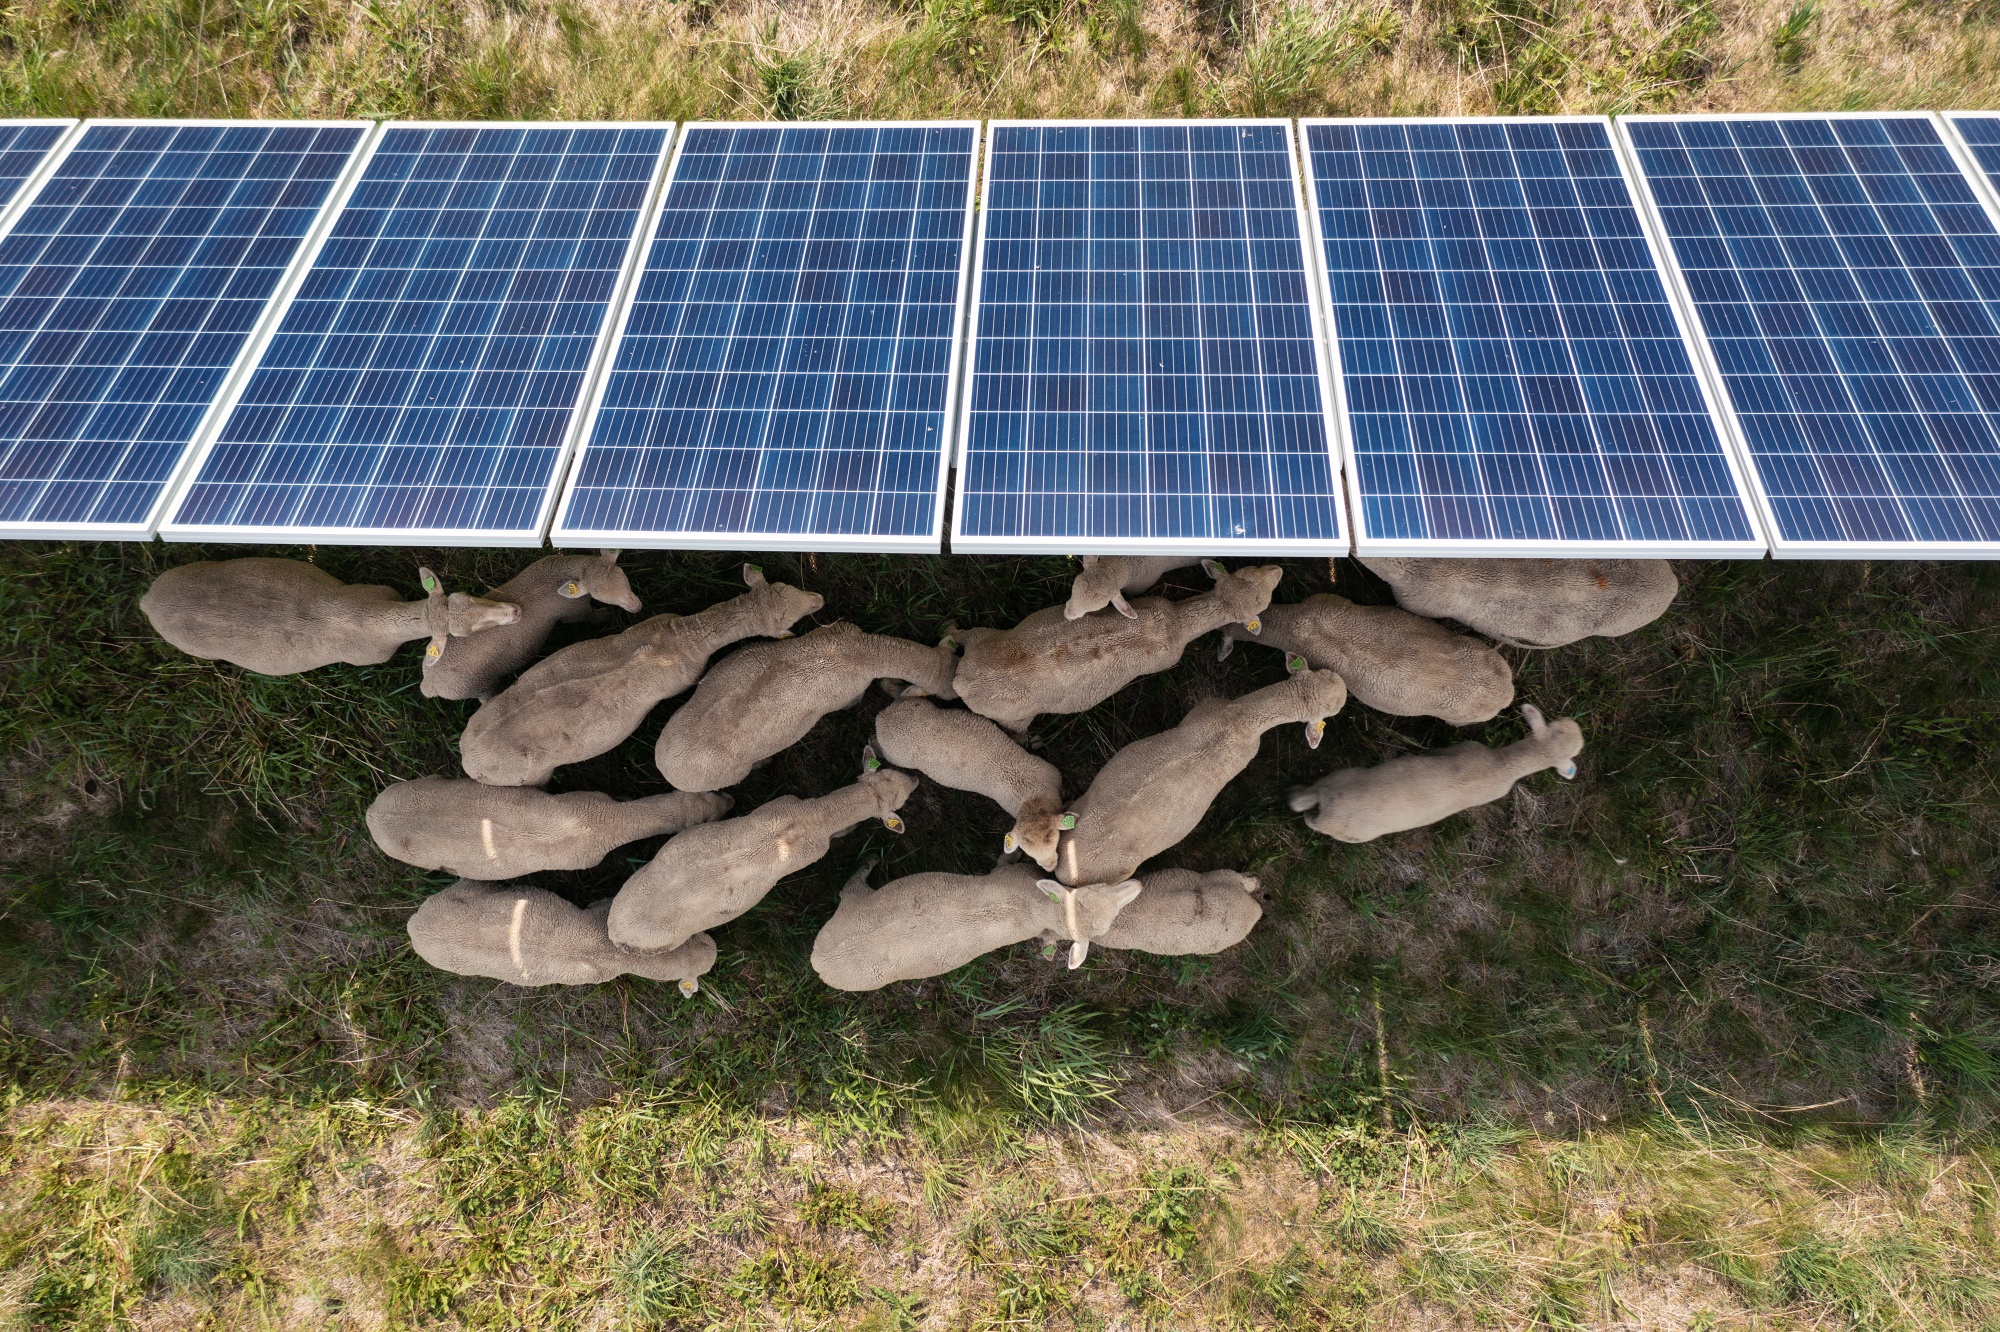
pixel 967 752
pixel 557 589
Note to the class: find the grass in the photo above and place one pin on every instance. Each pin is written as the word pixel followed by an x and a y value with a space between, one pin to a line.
pixel 1707 1039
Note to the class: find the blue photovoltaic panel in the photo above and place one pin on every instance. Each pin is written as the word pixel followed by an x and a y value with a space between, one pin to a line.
pixel 424 381
pixel 1516 379
pixel 1146 373
pixel 784 368
pixel 24 145
pixel 1847 280
pixel 128 286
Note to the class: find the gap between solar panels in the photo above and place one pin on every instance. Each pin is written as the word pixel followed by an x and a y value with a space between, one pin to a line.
pixel 425 381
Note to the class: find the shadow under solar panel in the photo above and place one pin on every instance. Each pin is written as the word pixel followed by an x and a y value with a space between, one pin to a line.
pixel 1845 273
pixel 425 382
pixel 1147 373
pixel 130 284
pixel 783 375
pixel 1516 379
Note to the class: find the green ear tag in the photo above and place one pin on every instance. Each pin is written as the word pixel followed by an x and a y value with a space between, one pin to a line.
pixel 430 583
pixel 1068 822
pixel 1295 662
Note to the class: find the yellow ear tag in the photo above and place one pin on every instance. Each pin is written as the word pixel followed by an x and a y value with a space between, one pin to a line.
pixel 1254 626
pixel 689 987
pixel 1007 844
pixel 892 822
pixel 431 650
pixel 572 589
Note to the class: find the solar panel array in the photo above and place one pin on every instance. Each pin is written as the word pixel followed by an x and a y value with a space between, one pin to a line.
pixel 24 146
pixel 1517 380
pixel 1146 371
pixel 128 286
pixel 424 382
pixel 785 367
pixel 1847 279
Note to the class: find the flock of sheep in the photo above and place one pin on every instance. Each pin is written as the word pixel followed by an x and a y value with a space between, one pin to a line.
pixel 277 617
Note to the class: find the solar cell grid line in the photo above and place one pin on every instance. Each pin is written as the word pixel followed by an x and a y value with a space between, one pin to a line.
pixel 783 374
pixel 1516 378
pixel 425 381
pixel 1844 270
pixel 1148 374
pixel 26 147
pixel 130 283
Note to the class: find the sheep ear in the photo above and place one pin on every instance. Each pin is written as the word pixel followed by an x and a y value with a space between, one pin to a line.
pixel 1078 950
pixel 1048 950
pixel 948 642
pixel 1315 732
pixel 433 650
pixel 870 760
pixel 893 822
pixel 914 691
pixel 1214 569
pixel 1254 625
pixel 1090 561
pixel 1125 892
pixel 753 575
pixel 1533 716
pixel 1051 889
pixel 570 590
pixel 430 581
pixel 1294 663
pixel 690 987
pixel 1007 844
pixel 1122 606
pixel 1228 646
pixel 1068 822
pixel 609 556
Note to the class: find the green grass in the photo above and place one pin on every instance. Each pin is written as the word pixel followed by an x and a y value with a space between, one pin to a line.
pixel 1719 1019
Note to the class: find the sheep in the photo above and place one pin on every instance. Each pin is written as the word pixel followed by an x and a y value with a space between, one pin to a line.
pixel 1534 603
pixel 928 924
pixel 503 832
pixel 967 752
pixel 554 590
pixel 1393 661
pixel 762 700
pixel 1154 791
pixel 584 700
pixel 526 936
pixel 1048 663
pixel 716 872
pixel 1182 912
pixel 1105 581
pixel 1361 804
pixel 280 617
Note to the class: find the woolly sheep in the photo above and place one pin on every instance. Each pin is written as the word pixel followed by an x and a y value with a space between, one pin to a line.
pixel 1393 661
pixel 928 924
pixel 1534 603
pixel 1106 579
pixel 1361 804
pixel 280 617
pixel 966 752
pixel 584 700
pixel 526 936
pixel 714 873
pixel 503 832
pixel 557 589
pixel 761 700
pixel 1048 663
pixel 1154 791
pixel 1182 912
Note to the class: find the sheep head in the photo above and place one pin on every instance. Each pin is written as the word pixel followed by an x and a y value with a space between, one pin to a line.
pixel 1088 911
pixel 775 607
pixel 1098 586
pixel 455 615
pixel 1561 740
pixel 1037 834
pixel 1246 592
pixel 602 580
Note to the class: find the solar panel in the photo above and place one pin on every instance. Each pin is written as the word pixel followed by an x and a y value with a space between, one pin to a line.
pixel 783 374
pixel 1846 278
pixel 1148 374
pixel 425 382
pixel 129 283
pixel 1516 380
pixel 24 146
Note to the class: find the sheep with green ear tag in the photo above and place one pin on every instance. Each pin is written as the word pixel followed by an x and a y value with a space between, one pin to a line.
pixel 1393 661
pixel 280 617
pixel 1106 579
pixel 1361 804
pixel 763 699
pixel 584 700
pixel 714 873
pixel 528 936
pixel 557 589
pixel 928 924
pixel 966 752
pixel 1154 791
pixel 1049 663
